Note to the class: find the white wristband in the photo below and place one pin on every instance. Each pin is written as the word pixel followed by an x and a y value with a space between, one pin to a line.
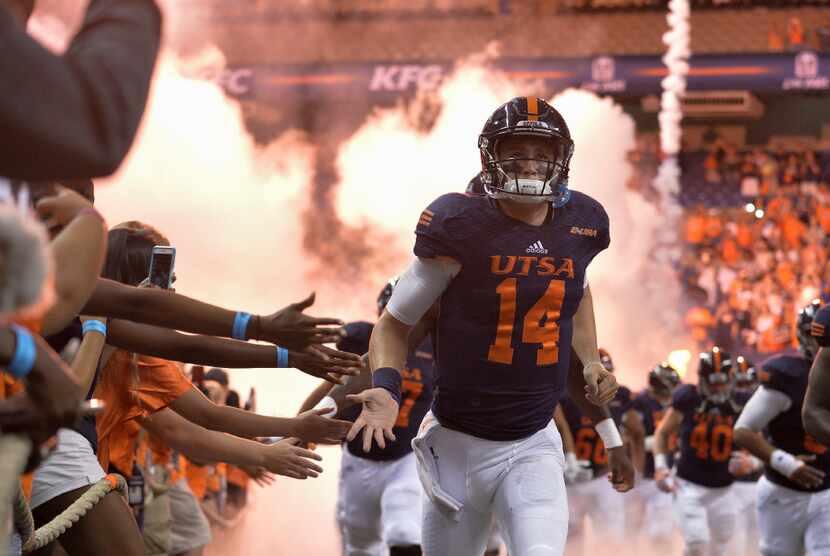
pixel 661 461
pixel 648 443
pixel 607 430
pixel 327 403
pixel 785 463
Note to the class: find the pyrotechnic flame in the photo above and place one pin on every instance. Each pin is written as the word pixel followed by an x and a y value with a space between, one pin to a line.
pixel 679 359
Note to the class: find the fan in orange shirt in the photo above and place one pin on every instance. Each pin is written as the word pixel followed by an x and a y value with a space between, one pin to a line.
pixel 793 230
pixel 133 387
pixel 695 227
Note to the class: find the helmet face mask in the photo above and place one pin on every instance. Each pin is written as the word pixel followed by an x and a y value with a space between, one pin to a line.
pixel 716 377
pixel 663 379
pixel 746 377
pixel 513 175
pixel 807 343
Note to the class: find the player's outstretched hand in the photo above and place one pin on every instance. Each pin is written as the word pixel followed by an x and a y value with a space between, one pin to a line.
pixel 663 480
pixel 293 329
pixel 326 363
pixel 288 459
pixel 312 426
pixel 376 420
pixel 622 471
pixel 600 384
pixel 807 475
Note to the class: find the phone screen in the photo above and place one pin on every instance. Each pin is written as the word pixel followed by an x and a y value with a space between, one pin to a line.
pixel 161 269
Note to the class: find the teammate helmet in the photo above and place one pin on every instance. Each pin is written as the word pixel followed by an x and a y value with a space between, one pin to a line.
pixel 715 375
pixel 746 377
pixel 475 186
pixel 605 359
pixel 528 117
pixel 386 294
pixel 807 344
pixel 663 379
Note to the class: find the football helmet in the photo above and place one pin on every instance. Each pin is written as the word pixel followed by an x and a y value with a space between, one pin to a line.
pixel 502 177
pixel 807 344
pixel 746 377
pixel 475 187
pixel 715 375
pixel 605 359
pixel 386 294
pixel 357 337
pixel 663 379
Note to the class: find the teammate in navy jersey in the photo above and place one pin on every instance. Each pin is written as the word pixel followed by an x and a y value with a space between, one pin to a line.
pixel 509 268
pixel 594 498
pixel 703 415
pixel 745 467
pixel 794 494
pixel 641 420
pixel 379 495
pixel 816 410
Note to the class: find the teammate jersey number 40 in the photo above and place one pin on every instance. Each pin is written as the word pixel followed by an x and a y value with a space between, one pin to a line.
pixel 548 308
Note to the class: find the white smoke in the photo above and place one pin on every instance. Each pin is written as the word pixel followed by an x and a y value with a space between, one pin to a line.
pixel 676 59
pixel 674 84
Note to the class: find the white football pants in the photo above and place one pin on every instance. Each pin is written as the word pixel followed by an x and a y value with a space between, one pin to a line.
pixel 379 504
pixel 792 521
pixel 706 517
pixel 596 499
pixel 468 480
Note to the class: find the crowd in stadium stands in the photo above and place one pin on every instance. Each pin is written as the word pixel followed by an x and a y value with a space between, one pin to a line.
pixel 756 223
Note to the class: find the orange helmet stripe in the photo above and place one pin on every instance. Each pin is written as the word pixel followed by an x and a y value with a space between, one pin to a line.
pixel 532 109
pixel 716 353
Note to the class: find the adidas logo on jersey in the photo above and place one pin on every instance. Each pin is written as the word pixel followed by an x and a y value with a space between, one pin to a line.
pixel 537 248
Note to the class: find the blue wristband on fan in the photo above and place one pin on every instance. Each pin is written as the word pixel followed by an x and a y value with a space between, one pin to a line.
pixel 94 326
pixel 390 380
pixel 240 326
pixel 25 352
pixel 282 358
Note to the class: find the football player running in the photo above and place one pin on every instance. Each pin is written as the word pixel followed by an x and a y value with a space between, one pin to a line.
pixel 704 415
pixel 509 269
pixel 746 468
pixel 594 498
pixel 641 421
pixel 379 496
pixel 793 495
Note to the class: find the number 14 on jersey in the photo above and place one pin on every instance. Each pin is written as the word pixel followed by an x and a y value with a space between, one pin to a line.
pixel 540 325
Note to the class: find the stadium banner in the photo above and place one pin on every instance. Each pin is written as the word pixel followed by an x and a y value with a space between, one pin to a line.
pixel 613 75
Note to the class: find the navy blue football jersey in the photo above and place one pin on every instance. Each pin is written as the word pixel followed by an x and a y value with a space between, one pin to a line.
pixel 705 437
pixel 506 320
pixel 788 374
pixel 820 327
pixel 651 412
pixel 587 443
pixel 416 397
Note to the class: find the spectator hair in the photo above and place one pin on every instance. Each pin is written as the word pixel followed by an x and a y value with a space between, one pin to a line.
pixel 129 248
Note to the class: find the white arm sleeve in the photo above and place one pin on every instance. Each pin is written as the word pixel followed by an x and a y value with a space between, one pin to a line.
pixel 418 288
pixel 764 406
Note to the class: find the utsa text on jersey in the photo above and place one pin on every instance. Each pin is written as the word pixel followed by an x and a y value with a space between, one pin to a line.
pixel 544 266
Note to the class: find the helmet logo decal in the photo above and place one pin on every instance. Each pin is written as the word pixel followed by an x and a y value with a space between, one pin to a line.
pixel 532 109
